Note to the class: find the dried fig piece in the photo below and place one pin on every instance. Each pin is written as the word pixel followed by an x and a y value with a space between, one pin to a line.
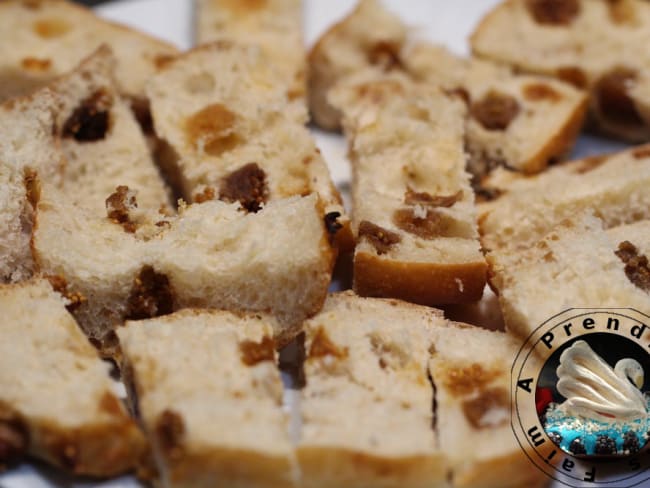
pixel 247 185
pixel 495 111
pixel 382 239
pixel 614 99
pixel 553 12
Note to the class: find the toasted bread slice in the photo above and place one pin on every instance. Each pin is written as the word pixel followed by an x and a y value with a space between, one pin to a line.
pixel 368 39
pixel 598 46
pixel 611 186
pixel 233 134
pixel 273 25
pixel 369 417
pixel 43 39
pixel 211 255
pixel 78 135
pixel 57 400
pixel 210 395
pixel 576 264
pixel 414 214
pixel 471 371
pixel 522 122
pixel 367 360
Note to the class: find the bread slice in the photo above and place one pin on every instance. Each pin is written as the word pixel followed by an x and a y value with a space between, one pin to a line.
pixel 57 401
pixel 368 39
pixel 522 122
pixel 232 132
pixel 273 25
pixel 210 396
pixel 369 417
pixel 576 264
pixel 367 409
pixel 211 255
pixel 43 39
pixel 471 371
pixel 611 186
pixel 100 139
pixel 414 214
pixel 598 46
pixel 78 135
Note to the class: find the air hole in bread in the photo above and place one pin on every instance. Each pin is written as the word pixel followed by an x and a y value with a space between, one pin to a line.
pixel 381 239
pixel 170 431
pixel 331 223
pixel 553 12
pixel 200 83
pixel 252 352
pixel 636 265
pixel 211 130
pixel 90 121
pixel 536 92
pixel 490 409
pixel 51 28
pixel 151 295
pixel 247 185
pixel 613 96
pixel 36 64
pixel 495 111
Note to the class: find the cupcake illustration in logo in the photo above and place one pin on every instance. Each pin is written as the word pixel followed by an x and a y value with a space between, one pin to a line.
pixel 598 406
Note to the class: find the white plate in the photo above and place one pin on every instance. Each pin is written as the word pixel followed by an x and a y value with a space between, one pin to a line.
pixel 447 22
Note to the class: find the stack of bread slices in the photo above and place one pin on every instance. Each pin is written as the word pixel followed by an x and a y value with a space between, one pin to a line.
pixel 171 213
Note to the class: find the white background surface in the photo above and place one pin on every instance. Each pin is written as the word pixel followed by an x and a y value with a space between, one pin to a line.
pixel 445 21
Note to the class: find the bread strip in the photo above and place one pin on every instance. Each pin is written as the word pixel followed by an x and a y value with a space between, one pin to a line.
pixel 57 401
pixel 369 39
pixel 210 396
pixel 470 368
pixel 367 408
pixel 521 122
pixel 414 214
pixel 613 186
pixel 211 255
pixel 83 140
pixel 275 26
pixel 577 264
pixel 43 39
pixel 234 135
pixel 598 46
